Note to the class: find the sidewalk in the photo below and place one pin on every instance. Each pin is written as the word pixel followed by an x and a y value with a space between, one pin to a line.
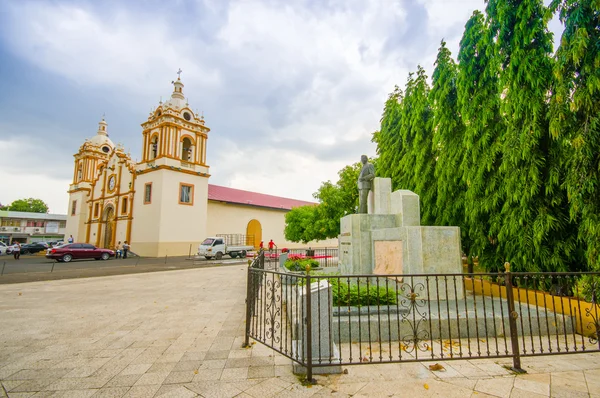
pixel 179 334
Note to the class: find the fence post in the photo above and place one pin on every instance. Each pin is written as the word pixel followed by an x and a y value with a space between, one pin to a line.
pixel 512 320
pixel 308 342
pixel 249 302
pixel 261 259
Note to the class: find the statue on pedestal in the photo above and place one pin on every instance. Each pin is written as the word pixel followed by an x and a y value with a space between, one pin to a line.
pixel 365 182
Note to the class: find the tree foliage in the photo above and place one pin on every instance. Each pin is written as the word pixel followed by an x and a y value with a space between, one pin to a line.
pixel 479 107
pixel 30 205
pixel 511 134
pixel 504 144
pixel 322 221
pixel 575 117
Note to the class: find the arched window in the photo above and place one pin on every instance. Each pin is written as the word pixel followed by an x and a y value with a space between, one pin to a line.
pixel 154 148
pixel 80 172
pixel 186 151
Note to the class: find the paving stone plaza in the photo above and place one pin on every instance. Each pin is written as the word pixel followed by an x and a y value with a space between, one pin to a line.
pixel 180 333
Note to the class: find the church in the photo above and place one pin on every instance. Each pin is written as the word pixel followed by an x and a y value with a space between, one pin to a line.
pixel 164 205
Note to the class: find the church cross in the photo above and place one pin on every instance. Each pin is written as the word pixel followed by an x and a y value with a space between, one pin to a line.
pixel 179 73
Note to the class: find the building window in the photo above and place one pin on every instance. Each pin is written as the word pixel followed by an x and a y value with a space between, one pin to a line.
pixel 124 204
pixel 96 209
pixel 148 193
pixel 30 223
pixel 73 207
pixel 186 194
pixel 39 223
pixel 154 148
pixel 62 224
pixel 7 222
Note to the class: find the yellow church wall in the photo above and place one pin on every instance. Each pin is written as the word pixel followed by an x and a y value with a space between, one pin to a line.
pixel 228 218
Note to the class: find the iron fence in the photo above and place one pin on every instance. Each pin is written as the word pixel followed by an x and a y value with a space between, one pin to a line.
pixel 322 322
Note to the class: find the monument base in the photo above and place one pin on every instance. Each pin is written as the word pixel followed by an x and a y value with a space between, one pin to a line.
pixel 316 369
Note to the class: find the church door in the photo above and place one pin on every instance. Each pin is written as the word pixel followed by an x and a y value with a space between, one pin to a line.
pixel 109 224
pixel 254 229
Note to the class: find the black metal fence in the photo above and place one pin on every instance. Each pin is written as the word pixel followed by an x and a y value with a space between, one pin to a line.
pixel 322 322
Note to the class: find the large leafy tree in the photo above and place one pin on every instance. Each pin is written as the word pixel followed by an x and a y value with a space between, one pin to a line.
pixel 448 131
pixel 322 221
pixel 29 205
pixel 416 167
pixel 479 107
pixel 534 234
pixel 389 139
pixel 575 114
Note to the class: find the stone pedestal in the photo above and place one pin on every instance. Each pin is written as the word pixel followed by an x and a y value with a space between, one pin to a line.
pixel 391 241
pixel 324 349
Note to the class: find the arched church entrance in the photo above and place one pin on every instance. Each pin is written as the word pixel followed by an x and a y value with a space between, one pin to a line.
pixel 254 229
pixel 108 219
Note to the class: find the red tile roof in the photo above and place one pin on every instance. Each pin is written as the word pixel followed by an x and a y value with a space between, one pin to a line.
pixel 230 195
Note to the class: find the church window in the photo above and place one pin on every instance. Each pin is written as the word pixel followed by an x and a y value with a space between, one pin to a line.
pixel 154 148
pixel 148 193
pixel 96 210
pixel 105 149
pixel 187 116
pixel 186 150
pixel 186 194
pixel 73 207
pixel 79 172
pixel 124 204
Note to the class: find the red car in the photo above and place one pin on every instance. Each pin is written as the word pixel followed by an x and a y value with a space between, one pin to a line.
pixel 77 251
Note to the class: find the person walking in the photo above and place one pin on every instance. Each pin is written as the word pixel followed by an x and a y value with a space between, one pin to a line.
pixel 118 252
pixel 70 240
pixel 271 245
pixel 16 250
pixel 262 245
pixel 125 249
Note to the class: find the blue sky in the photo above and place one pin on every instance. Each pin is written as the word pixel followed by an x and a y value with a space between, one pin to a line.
pixel 291 90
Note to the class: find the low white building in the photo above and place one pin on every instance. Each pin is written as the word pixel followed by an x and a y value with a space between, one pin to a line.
pixel 26 227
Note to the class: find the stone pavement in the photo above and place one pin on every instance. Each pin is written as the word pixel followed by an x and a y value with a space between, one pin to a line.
pixel 179 334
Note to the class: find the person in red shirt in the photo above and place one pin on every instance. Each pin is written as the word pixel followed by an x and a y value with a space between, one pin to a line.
pixel 262 245
pixel 271 245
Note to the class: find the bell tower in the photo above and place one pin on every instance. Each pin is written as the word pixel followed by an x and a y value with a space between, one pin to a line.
pixel 92 155
pixel 171 184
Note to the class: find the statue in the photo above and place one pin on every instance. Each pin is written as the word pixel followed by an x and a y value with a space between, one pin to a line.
pixel 365 178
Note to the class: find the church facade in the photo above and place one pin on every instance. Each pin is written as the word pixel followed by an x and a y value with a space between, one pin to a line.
pixel 164 204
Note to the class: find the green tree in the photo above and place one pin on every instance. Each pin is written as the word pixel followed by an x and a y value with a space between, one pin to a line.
pixel 479 105
pixel 322 221
pixel 416 166
pixel 448 130
pixel 534 234
pixel 389 138
pixel 299 224
pixel 29 205
pixel 575 116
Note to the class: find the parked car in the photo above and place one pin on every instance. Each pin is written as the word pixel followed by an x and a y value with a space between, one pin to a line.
pixel 32 248
pixel 3 248
pixel 78 251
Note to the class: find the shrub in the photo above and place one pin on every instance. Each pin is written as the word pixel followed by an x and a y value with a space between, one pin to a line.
pixel 353 295
pixel 295 263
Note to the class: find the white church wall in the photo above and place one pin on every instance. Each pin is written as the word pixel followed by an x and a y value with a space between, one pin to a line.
pixel 229 218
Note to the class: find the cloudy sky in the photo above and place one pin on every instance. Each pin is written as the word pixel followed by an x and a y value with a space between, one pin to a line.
pixel 292 90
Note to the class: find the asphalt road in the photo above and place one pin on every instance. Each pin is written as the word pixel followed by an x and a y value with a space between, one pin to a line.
pixel 31 268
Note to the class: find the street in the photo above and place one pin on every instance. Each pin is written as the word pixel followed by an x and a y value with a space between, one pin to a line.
pixel 31 268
